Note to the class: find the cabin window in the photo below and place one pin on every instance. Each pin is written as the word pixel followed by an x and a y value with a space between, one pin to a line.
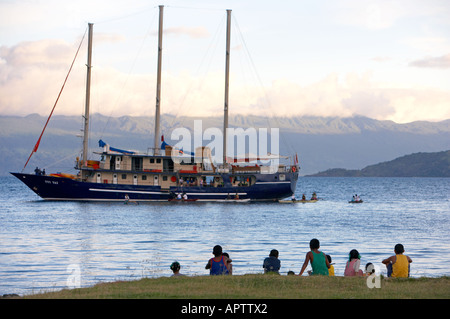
pixel 158 160
pixel 136 163
pixel 242 180
pixel 144 177
pixel 164 178
pixel 124 176
pixel 211 181
pixel 152 160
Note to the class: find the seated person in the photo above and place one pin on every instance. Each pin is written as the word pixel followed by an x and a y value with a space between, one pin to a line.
pixel 272 264
pixel 398 265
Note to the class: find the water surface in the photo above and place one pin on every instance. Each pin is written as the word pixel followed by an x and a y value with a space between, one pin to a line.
pixel 43 243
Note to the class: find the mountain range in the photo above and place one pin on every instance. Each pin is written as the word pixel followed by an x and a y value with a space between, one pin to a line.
pixel 320 142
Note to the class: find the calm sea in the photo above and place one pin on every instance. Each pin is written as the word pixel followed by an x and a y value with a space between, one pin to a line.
pixel 48 246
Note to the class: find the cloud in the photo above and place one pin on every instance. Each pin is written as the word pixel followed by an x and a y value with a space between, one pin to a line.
pixel 356 94
pixel 192 32
pixel 384 14
pixel 31 75
pixel 374 15
pixel 441 62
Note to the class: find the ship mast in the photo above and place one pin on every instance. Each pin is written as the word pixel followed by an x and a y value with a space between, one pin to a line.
pixel 227 80
pixel 158 83
pixel 88 94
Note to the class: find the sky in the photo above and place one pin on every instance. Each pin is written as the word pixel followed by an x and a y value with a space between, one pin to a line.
pixel 384 59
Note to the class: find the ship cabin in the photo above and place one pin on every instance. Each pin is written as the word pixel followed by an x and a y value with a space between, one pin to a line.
pixel 167 170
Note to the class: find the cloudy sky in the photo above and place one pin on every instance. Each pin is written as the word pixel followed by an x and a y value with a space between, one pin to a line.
pixel 385 59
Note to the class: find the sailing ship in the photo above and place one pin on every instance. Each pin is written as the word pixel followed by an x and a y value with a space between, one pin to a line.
pixel 121 175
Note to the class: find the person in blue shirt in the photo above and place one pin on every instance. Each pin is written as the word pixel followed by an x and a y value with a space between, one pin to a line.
pixel 218 265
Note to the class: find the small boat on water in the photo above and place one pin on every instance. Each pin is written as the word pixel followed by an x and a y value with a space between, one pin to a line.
pixel 232 200
pixel 290 201
pixel 356 200
pixel 182 200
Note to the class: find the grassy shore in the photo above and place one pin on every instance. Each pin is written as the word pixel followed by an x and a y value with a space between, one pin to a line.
pixel 259 287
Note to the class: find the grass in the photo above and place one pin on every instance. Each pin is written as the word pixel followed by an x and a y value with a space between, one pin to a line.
pixel 258 287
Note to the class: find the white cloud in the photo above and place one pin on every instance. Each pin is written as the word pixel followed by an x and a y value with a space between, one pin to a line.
pixel 383 14
pixel 192 32
pixel 31 75
pixel 441 62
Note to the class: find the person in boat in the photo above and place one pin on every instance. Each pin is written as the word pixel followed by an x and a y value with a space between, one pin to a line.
pixel 398 265
pixel 185 197
pixel 293 198
pixel 175 267
pixel 37 171
pixel 218 265
pixel 303 197
pixel 127 199
pixel 314 196
pixel 236 196
pixel 318 259
pixel 179 196
pixel 272 264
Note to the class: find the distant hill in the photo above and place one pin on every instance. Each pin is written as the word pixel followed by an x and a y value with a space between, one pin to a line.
pixel 320 142
pixel 414 165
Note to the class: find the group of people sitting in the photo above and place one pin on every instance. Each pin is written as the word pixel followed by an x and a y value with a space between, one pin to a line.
pixel 397 265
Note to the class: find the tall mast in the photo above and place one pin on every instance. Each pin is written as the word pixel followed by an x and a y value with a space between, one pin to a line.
pixel 88 96
pixel 227 80
pixel 158 83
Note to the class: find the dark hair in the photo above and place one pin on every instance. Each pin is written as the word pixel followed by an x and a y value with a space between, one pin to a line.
pixel 354 254
pixel 175 266
pixel 370 268
pixel 217 250
pixel 314 244
pixel 329 258
pixel 399 249
pixel 273 253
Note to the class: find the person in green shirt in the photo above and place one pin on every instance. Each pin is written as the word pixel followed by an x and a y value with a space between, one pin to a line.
pixel 318 259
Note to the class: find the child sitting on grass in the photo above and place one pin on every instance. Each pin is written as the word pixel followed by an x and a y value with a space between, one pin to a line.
pixel 398 265
pixel 318 259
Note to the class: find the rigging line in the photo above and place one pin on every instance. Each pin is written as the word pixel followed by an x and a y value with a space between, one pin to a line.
pixel 194 8
pixel 56 102
pixel 275 117
pixel 125 16
pixel 63 159
pixel 128 75
pixel 212 47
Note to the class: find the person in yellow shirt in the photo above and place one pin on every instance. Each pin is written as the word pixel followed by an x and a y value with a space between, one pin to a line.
pixel 398 265
pixel 331 269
